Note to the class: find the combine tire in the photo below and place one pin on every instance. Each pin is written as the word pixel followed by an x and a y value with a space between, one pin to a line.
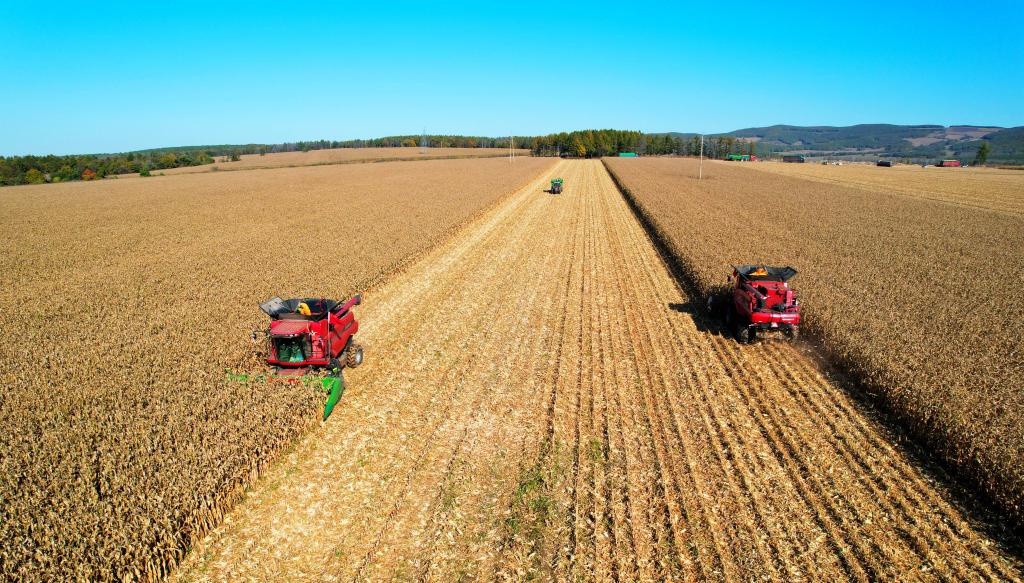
pixel 745 334
pixel 714 306
pixel 354 355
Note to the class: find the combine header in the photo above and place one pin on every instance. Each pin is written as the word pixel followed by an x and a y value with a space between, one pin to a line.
pixel 308 334
pixel 759 301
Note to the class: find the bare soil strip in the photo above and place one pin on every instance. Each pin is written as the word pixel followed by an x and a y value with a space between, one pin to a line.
pixel 540 400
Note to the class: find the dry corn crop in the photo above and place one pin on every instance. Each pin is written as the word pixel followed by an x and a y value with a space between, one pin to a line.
pixel 121 440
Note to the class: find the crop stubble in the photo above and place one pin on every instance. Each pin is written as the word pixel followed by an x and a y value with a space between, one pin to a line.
pixel 546 403
pixel 120 439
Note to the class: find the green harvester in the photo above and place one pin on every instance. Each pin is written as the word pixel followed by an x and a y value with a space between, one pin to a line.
pixel 556 186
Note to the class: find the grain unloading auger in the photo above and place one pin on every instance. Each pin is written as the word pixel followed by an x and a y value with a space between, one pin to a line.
pixel 313 334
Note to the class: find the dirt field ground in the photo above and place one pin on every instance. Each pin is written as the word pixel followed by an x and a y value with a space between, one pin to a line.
pixel 991 188
pixel 541 400
pixel 124 303
pixel 336 156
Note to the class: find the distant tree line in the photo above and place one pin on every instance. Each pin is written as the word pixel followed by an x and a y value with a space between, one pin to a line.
pixel 597 143
pixel 39 169
pixel 586 143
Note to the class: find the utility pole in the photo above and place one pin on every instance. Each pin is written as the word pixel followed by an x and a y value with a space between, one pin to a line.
pixel 700 171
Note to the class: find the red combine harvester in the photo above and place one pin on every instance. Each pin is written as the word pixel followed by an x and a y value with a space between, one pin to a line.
pixel 759 301
pixel 312 332
pixel 308 334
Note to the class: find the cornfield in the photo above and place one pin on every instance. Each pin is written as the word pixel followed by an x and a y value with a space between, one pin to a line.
pixel 991 188
pixel 121 438
pixel 917 297
pixel 547 404
pixel 340 156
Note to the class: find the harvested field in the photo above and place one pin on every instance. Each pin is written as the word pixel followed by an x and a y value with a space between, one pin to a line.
pixel 338 156
pixel 543 401
pixel 990 188
pixel 121 440
pixel 918 298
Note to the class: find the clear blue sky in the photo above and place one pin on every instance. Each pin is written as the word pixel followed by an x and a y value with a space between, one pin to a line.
pixel 106 77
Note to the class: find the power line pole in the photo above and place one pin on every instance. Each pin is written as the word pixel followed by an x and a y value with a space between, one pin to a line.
pixel 700 172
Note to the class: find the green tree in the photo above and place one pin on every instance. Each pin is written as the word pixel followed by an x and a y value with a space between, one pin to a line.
pixel 234 156
pixel 34 176
pixel 982 156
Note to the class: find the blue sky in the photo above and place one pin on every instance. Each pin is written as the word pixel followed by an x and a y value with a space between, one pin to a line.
pixel 107 77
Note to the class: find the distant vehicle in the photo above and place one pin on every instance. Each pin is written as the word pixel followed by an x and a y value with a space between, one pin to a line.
pixel 949 164
pixel 741 158
pixel 627 154
pixel 793 158
pixel 885 163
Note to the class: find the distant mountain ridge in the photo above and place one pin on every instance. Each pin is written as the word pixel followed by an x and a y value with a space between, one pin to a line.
pixel 917 142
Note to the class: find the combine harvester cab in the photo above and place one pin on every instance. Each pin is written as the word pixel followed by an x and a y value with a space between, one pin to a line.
pixel 308 334
pixel 759 302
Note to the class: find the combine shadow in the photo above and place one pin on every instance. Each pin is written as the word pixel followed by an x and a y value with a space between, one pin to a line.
pixel 704 321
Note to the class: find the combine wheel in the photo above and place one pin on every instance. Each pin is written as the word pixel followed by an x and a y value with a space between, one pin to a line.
pixel 354 355
pixel 745 334
pixel 714 306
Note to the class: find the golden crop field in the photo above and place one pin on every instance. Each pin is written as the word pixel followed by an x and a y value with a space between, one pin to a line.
pixel 121 439
pixel 546 403
pixel 338 156
pixel 991 188
pixel 919 298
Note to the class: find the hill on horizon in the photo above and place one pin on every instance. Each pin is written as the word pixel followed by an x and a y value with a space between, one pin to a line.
pixel 916 142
